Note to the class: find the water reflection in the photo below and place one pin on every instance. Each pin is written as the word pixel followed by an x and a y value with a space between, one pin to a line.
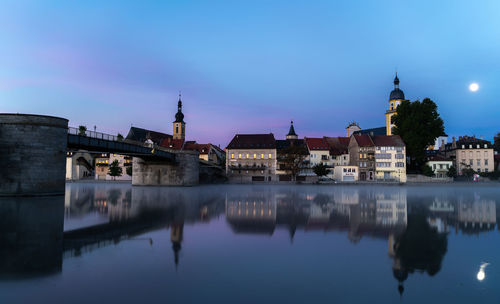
pixel 414 224
pixel 31 236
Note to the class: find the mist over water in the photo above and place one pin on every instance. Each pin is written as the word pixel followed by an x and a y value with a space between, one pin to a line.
pixel 114 243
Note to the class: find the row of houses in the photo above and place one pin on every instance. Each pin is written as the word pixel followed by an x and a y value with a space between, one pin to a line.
pixel 261 157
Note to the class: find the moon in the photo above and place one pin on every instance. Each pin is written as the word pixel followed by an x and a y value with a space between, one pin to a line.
pixel 473 87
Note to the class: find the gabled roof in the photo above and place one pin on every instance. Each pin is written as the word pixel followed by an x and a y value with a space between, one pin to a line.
pixel 201 148
pixel 252 141
pixel 338 145
pixel 388 141
pixel 318 144
pixel 176 144
pixel 141 135
pixel 363 140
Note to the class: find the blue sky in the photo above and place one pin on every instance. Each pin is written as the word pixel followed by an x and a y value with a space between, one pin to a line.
pixel 249 66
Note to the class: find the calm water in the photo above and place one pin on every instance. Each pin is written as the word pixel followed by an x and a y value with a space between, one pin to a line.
pixel 114 243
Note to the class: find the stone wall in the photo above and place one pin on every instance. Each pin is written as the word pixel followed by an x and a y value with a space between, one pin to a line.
pixel 183 172
pixel 32 154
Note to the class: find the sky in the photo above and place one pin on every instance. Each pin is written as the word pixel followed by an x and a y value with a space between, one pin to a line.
pixel 249 66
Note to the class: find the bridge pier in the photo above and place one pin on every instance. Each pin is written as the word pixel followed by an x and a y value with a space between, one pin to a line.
pixel 32 154
pixel 184 171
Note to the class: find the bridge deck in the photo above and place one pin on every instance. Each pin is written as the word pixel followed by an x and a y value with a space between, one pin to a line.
pixel 105 143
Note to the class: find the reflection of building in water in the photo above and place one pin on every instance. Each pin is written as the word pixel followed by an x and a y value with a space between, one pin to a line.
pixel 251 213
pixel 391 208
pixel 476 216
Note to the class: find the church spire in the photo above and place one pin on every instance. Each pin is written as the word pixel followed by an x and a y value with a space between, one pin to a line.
pixel 291 132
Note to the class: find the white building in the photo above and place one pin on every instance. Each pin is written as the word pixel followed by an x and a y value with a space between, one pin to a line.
pixel 345 173
pixel 440 165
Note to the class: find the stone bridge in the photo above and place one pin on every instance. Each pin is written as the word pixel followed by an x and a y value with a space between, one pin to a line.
pixel 33 156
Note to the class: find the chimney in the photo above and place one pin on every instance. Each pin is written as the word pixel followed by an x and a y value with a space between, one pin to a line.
pixel 453 143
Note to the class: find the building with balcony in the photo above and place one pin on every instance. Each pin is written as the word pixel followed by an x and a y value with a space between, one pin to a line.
pixel 251 158
pixel 319 153
pixel 390 158
pixel 440 165
pixel 339 150
pixel 101 166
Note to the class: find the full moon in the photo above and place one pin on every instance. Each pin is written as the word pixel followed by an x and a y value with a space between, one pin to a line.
pixel 473 87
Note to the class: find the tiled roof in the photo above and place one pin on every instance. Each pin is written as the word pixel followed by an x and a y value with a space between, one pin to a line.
pixel 338 145
pixel 316 144
pixel 252 141
pixel 363 140
pixel 438 158
pixel 201 148
pixel 388 141
pixel 171 143
pixel 141 135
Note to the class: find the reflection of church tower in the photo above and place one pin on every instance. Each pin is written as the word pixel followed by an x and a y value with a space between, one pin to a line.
pixel 176 232
pixel 398 270
pixel 395 99
pixel 179 124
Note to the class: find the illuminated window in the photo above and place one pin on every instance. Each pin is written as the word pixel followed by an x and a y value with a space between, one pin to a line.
pixel 262 156
pixel 239 155
pixel 255 156
pixel 247 155
pixel 232 155
pixel 270 156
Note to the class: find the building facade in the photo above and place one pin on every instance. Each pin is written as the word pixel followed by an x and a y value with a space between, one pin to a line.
pixel 470 153
pixel 251 158
pixel 440 165
pixel 390 158
pixel 362 155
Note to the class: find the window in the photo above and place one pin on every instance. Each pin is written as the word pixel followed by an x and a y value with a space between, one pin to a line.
pixel 463 146
pixel 440 166
pixel 254 156
pixel 478 146
pixel 239 155
pixel 270 156
pixel 434 166
pixel 400 165
pixel 345 170
pixel 485 146
pixel 262 155
pixel 485 162
pixel 470 162
pixel 486 170
pixel 384 156
pixel 479 162
pixel 463 154
pixel 470 146
pixel 354 170
pixel 485 154
pixel 247 155
pixel 232 155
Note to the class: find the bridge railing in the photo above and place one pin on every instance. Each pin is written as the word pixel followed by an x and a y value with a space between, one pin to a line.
pixel 92 134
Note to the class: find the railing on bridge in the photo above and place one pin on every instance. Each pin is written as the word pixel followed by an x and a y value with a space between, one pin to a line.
pixel 92 134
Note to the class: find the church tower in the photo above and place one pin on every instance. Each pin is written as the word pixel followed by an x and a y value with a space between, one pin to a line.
pixel 179 124
pixel 395 99
pixel 291 133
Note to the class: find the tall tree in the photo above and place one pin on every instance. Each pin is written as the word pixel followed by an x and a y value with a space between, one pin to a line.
pixel 418 124
pixel 292 159
pixel 114 169
pixel 496 140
